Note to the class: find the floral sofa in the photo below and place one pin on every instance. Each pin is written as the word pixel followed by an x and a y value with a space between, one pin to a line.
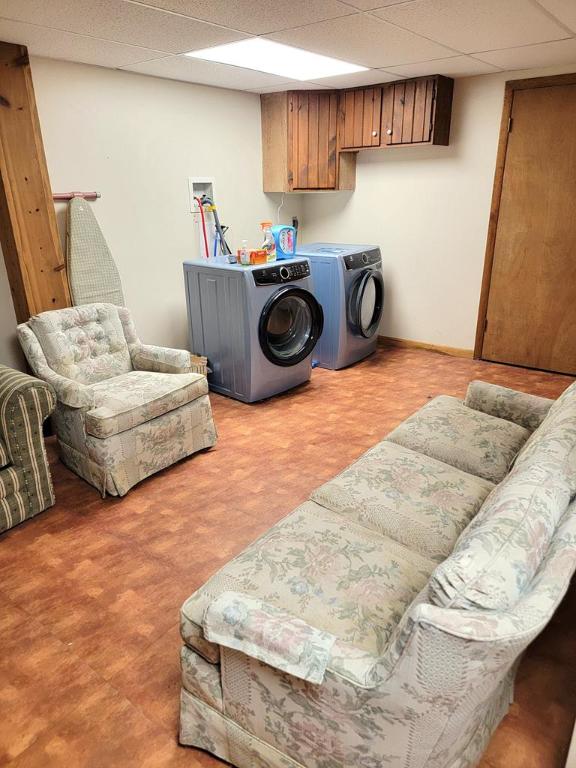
pixel 381 622
pixel 125 409
pixel 25 482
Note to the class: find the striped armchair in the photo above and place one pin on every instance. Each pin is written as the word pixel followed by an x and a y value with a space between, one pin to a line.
pixel 25 482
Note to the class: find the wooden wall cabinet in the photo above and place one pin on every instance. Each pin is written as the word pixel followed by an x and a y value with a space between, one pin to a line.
pixel 299 142
pixel 360 117
pixel 310 138
pixel 417 111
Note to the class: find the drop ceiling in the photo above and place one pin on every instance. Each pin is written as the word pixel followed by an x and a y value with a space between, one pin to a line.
pixel 393 39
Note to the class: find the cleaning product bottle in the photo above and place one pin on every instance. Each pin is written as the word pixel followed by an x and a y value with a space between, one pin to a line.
pixel 244 254
pixel 269 244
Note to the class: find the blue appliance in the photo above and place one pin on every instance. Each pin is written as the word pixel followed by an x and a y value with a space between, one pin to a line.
pixel 349 285
pixel 257 325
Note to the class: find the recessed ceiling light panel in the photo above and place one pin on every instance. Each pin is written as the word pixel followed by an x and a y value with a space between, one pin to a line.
pixel 276 59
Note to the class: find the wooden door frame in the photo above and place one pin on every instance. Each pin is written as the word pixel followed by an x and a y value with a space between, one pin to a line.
pixel 510 87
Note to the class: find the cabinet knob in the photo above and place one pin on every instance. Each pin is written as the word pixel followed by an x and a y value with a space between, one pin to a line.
pixel 389 131
pixel 374 133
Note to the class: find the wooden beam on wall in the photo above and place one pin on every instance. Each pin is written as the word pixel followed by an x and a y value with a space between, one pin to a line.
pixel 28 232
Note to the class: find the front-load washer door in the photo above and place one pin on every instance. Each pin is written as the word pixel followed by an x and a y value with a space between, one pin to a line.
pixel 290 325
pixel 366 303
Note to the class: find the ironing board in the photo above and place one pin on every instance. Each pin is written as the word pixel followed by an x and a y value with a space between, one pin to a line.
pixel 92 272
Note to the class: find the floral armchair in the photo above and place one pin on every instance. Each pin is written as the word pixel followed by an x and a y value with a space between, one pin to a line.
pixel 125 409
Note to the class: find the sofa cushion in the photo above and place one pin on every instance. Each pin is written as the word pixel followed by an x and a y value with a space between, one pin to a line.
pixel 85 344
pixel 497 556
pixel 553 444
pixel 4 458
pixel 472 441
pixel 134 398
pixel 332 573
pixel 520 407
pixel 420 502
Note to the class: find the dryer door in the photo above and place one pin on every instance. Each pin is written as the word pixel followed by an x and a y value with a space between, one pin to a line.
pixel 366 302
pixel 290 325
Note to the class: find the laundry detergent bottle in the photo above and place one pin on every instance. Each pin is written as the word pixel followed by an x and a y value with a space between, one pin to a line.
pixel 269 243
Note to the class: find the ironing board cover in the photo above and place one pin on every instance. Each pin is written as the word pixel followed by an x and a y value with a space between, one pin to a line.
pixel 92 272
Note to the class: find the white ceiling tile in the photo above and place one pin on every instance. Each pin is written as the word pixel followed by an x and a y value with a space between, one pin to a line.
pixel 207 73
pixel 63 45
pixel 558 53
pixel 256 16
pixel 120 22
pixel 292 85
pixel 364 40
pixel 564 10
pixel 369 5
pixel 476 25
pixel 371 77
pixel 455 66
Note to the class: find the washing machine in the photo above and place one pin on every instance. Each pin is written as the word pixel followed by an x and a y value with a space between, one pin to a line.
pixel 257 325
pixel 349 285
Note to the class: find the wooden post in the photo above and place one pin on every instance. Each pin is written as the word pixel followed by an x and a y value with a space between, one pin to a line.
pixel 28 232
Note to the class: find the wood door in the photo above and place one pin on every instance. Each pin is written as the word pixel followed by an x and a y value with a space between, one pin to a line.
pixel 312 140
pixel 360 112
pixel 531 306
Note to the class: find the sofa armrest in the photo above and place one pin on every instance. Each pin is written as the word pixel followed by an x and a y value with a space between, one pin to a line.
pixel 526 410
pixel 25 403
pixel 146 357
pixel 69 392
pixel 268 634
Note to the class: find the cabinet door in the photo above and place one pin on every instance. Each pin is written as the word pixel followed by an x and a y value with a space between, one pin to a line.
pixel 360 112
pixel 407 112
pixel 312 127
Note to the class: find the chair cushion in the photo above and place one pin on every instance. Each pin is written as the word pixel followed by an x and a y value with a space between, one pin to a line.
pixel 4 458
pixel 85 344
pixel 497 556
pixel 134 398
pixel 553 444
pixel 332 573
pixel 420 502
pixel 472 441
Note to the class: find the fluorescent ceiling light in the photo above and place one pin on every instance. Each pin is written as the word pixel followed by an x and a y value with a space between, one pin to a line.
pixel 277 59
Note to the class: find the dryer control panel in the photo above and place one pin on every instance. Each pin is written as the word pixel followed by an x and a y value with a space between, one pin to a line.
pixel 282 273
pixel 362 259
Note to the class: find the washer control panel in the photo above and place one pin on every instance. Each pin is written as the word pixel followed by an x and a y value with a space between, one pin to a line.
pixel 363 259
pixel 281 273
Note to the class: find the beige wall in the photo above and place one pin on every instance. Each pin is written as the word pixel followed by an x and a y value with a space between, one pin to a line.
pixel 428 209
pixel 137 139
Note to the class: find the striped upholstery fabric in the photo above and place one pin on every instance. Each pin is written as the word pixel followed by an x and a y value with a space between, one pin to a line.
pixel 4 458
pixel 25 482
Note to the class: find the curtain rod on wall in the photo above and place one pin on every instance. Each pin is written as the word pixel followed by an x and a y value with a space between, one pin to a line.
pixel 61 196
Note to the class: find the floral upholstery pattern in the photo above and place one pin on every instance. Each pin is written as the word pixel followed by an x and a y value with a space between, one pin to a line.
pixel 415 678
pixel 25 482
pixel 331 573
pixel 497 555
pixel 554 443
pixel 472 441
pixel 201 678
pixel 125 410
pixel 420 502
pixel 133 398
pixel 522 408
pixel 85 344
pixel 268 634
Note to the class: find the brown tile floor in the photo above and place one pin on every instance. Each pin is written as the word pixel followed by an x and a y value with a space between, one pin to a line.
pixel 90 590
